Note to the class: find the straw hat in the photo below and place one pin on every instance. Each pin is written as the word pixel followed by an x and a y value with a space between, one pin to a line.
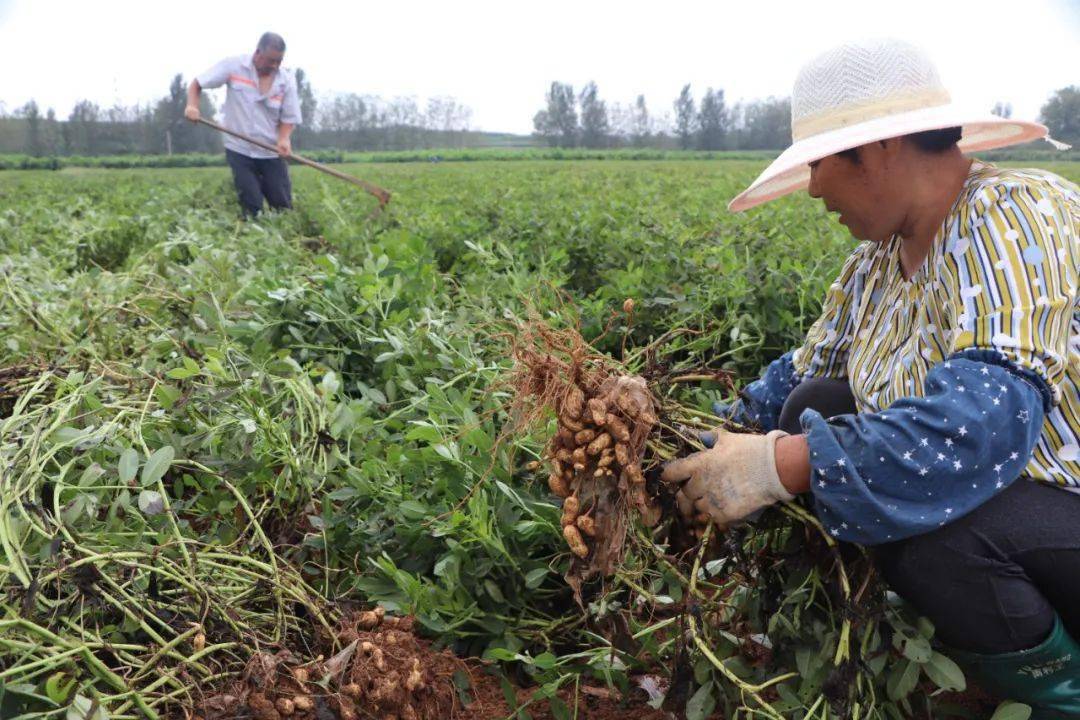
pixel 871 90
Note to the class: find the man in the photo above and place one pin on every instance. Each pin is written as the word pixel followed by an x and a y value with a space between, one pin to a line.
pixel 262 103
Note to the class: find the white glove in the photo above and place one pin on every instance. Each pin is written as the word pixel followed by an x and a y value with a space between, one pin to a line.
pixel 734 478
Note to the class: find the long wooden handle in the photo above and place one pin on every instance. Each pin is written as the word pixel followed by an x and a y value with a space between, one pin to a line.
pixel 382 195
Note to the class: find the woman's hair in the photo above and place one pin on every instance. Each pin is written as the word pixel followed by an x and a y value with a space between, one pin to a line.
pixel 935 141
pixel 928 141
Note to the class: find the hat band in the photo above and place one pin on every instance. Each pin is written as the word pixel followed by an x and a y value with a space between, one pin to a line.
pixel 854 114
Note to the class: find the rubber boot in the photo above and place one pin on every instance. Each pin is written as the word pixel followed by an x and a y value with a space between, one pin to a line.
pixel 1046 677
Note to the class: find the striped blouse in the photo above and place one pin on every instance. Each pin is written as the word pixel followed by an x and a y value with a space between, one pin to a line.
pixel 1002 278
pixel 966 376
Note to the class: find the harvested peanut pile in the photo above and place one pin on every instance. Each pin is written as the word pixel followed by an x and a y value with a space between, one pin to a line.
pixel 383 670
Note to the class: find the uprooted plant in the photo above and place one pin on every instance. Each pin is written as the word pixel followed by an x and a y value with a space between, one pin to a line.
pixel 782 614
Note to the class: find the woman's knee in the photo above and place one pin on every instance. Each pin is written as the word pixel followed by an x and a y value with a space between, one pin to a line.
pixel 826 395
pixel 907 565
pixel 978 599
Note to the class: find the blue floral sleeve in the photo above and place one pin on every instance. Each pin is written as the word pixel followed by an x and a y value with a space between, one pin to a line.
pixel 760 402
pixel 925 461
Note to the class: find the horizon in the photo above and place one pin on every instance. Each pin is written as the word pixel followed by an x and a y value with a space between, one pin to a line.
pixel 477 55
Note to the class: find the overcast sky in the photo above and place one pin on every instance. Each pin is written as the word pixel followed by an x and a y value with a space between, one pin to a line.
pixel 499 57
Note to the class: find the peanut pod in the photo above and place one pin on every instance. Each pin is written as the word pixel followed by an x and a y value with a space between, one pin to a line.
pixel 599 444
pixel 575 541
pixel 587 525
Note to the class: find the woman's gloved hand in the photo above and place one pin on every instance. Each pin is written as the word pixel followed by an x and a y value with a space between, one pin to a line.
pixel 731 480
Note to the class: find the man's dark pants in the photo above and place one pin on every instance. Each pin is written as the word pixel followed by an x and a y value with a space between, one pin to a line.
pixel 992 580
pixel 259 178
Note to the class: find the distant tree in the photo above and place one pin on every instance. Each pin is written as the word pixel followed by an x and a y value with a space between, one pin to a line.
pixel 404 124
pixel 685 118
pixel 642 123
pixel 595 128
pixel 446 121
pixel 712 121
pixel 1002 109
pixel 367 122
pixel 32 115
pixel 303 134
pixel 174 133
pixel 557 124
pixel 620 123
pixel 51 139
pixel 1061 114
pixel 763 124
pixel 81 129
pixel 346 113
pixel 662 128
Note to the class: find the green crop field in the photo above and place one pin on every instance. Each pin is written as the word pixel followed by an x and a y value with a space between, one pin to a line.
pixel 219 438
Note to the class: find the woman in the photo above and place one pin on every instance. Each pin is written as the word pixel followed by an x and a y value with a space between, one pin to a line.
pixel 934 409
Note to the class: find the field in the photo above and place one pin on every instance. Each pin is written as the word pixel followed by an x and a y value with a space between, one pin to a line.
pixel 220 441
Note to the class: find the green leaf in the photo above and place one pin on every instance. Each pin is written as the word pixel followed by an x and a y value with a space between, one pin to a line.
pixel 534 578
pixel 214 366
pixel 494 591
pixel 1010 710
pixel 877 663
pixel 180 374
pixel 413 510
pixel 157 464
pixel 788 699
pixel 804 659
pixel 559 710
pixel 129 465
pixel 83 708
pixel 344 493
pixel 462 684
pixel 917 649
pixel 167 395
pixel 68 434
pixel 945 673
pixel 545 661
pixel 508 693
pixel 330 383
pixel 701 703
pixel 447 451
pixel 57 691
pixel 425 432
pixel 90 475
pixel 902 679
pixel 151 502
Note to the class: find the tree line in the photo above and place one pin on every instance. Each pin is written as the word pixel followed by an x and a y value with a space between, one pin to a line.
pixel 343 122
pixel 360 122
pixel 583 119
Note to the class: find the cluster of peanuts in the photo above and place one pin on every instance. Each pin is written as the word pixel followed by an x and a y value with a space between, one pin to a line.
pixel 600 440
pixel 388 683
pixel 387 687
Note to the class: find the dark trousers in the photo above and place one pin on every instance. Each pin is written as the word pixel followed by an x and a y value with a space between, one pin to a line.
pixel 258 178
pixel 992 580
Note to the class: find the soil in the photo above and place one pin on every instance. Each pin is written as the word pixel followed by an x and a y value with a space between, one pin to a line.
pixel 384 670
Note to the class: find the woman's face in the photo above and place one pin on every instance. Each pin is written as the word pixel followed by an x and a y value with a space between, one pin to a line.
pixel 860 190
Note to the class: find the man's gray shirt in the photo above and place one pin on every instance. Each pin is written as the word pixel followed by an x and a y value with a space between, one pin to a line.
pixel 247 110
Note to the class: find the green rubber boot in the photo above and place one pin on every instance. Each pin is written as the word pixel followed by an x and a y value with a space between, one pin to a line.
pixel 1046 677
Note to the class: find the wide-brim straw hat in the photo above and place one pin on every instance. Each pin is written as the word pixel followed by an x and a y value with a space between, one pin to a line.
pixel 866 91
